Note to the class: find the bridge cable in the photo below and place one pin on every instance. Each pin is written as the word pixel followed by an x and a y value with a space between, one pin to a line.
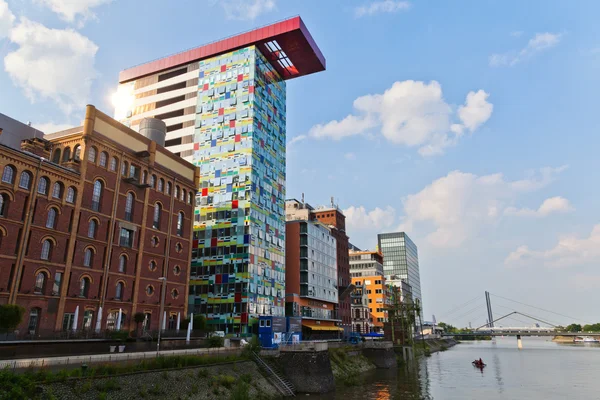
pixel 448 313
pixel 512 309
pixel 538 308
pixel 468 313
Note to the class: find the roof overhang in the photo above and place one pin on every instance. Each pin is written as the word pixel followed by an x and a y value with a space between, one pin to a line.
pixel 287 45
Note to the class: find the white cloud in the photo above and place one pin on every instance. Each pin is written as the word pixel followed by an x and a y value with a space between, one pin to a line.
pixel 350 156
pixel 549 206
pixel 540 42
pixel 52 64
pixel 51 127
pixel 377 7
pixel 296 139
pixel 516 34
pixel 570 251
pixel 246 9
pixel 69 10
pixel 411 113
pixel 461 205
pixel 6 19
pixel 363 226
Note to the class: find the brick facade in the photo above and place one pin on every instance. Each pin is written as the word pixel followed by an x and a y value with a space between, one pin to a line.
pixel 95 201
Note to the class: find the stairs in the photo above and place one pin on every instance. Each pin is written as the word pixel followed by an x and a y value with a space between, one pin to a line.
pixel 275 377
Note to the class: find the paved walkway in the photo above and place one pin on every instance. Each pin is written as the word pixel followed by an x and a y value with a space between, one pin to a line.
pixel 110 357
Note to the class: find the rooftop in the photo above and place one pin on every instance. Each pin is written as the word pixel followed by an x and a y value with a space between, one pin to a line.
pixel 287 45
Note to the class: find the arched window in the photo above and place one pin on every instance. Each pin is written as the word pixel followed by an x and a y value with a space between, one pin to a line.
pixel 97 195
pixel 161 185
pixel 157 213
pixel 119 291
pixel 183 194
pixel 43 185
pixel 169 188
pixel 124 167
pixel 103 159
pixel 40 283
pixel 152 266
pixel 46 249
pixel 113 164
pixel 88 257
pixel 84 287
pixel 25 180
pixel 92 227
pixel 176 192
pixel 3 204
pixel 144 177
pixel 71 195
pixel 129 207
pixel 77 152
pixel 57 190
pixel 92 154
pixel 8 175
pixel 123 263
pixel 180 224
pixel 66 154
pixel 191 198
pixel 56 156
pixel 152 181
pixel 51 220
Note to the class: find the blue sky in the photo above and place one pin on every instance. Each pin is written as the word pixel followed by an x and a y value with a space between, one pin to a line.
pixel 471 124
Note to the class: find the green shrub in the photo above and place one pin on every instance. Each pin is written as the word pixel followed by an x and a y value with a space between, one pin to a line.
pixel 203 373
pixel 226 381
pixel 215 341
pixel 241 391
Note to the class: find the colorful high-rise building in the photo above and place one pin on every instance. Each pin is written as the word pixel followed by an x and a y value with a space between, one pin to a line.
pixel 224 105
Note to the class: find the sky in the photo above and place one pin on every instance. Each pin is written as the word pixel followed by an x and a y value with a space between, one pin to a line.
pixel 471 125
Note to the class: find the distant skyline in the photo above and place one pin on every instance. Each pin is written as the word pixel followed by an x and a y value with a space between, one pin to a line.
pixel 471 128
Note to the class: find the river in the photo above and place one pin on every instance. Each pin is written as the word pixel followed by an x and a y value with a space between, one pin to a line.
pixel 542 370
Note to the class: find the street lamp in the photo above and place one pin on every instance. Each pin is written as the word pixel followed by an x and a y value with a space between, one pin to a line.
pixel 162 310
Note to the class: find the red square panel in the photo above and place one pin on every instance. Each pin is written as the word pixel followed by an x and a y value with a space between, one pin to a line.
pixel 205 87
pixel 240 77
pixel 221 111
pixel 234 204
pixel 196 146
pixel 232 123
pixel 223 68
pixel 238 138
pixel 218 278
pixel 213 242
pixel 250 89
pixel 238 297
pixel 204 191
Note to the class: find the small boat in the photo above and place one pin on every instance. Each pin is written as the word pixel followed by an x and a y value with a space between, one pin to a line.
pixel 479 364
pixel 578 339
pixel 590 340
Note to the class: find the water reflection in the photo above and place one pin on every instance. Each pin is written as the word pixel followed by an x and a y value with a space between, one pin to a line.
pixel 498 374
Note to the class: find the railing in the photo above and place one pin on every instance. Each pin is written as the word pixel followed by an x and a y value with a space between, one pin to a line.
pixel 91 334
pixel 284 386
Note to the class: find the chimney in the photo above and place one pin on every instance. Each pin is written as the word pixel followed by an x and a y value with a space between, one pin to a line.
pixel 39 147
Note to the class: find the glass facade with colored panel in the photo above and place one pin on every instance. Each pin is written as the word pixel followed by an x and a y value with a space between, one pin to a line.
pixel 238 271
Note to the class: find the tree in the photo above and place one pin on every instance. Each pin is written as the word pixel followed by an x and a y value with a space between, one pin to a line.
pixel 11 316
pixel 574 328
pixel 447 327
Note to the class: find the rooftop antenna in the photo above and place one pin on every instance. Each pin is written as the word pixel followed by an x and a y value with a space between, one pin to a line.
pixel 332 203
pixel 302 198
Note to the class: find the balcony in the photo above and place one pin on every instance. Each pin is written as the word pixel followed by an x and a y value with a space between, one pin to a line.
pixel 318 313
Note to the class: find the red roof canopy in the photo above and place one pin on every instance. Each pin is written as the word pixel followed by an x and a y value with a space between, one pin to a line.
pixel 287 45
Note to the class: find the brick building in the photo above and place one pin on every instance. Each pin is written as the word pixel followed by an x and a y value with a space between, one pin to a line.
pixel 336 220
pixel 90 219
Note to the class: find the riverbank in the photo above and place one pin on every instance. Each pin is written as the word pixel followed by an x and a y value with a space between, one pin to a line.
pixel 433 346
pixel 562 339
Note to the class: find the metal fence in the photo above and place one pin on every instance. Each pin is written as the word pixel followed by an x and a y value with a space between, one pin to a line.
pixel 111 357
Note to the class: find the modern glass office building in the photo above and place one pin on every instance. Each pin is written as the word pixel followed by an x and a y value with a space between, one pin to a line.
pixel 401 259
pixel 225 109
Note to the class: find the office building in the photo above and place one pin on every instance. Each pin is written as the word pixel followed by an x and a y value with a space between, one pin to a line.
pixel 335 219
pixel 311 273
pixel 91 221
pixel 224 105
pixel 401 260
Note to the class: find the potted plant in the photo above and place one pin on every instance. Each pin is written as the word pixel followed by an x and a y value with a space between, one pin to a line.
pixel 121 337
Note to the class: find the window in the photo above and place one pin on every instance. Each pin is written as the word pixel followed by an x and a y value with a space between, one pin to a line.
pixel 183 195
pixel 77 152
pixel 40 283
pixel 122 263
pixel 25 180
pixel 84 287
pixel 71 195
pixel 157 213
pixel 66 154
pixel 51 220
pixel 169 188
pixel 152 181
pixel 88 257
pixel 129 207
pixel 57 190
pixel 191 198
pixel 177 270
pixel 8 175
pixel 133 171
pixel 180 224
pixel 43 185
pixel 103 159
pixel 161 184
pixel 176 192
pixel 113 164
pixel 34 318
pixel 126 238
pixel 56 157
pixel 92 154
pixel 88 315
pixel 124 168
pixel 97 195
pixel 178 247
pixel 152 265
pixel 174 293
pixel 119 291
pixel 3 204
pixel 46 249
pixel 154 241
pixel 149 290
pixel 92 229
pixel 57 283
